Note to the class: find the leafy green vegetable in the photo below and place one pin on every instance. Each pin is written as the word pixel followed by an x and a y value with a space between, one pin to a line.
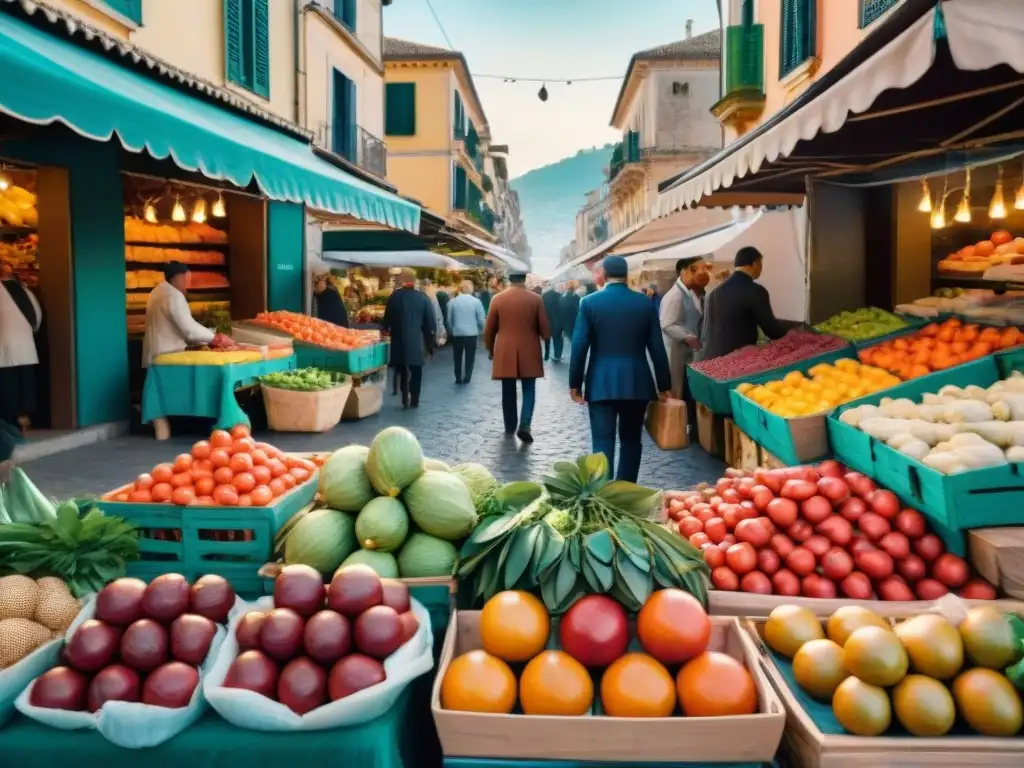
pixel 304 380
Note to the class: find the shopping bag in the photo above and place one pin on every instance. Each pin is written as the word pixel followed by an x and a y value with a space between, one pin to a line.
pixel 132 725
pixel 247 709
pixel 667 424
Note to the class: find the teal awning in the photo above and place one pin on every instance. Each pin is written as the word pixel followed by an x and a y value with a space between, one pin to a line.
pixel 45 79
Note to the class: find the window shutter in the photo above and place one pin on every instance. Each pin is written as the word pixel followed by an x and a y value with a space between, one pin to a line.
pixel 459 119
pixel 798 34
pixel 400 109
pixel 460 188
pixel 352 122
pixel 350 14
pixel 747 13
pixel 234 57
pixel 261 48
pixel 130 9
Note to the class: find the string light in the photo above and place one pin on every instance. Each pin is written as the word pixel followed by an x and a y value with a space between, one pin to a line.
pixel 963 210
pixel 925 206
pixel 149 214
pixel 178 213
pixel 218 209
pixel 997 208
pixel 199 211
pixel 938 220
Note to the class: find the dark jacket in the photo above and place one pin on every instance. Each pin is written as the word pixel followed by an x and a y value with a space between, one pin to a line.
pixel 442 301
pixel 330 307
pixel 617 329
pixel 732 314
pixel 569 307
pixel 485 297
pixel 552 299
pixel 409 318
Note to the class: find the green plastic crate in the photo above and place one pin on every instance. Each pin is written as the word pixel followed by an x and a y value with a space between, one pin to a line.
pixel 778 435
pixel 953 503
pixel 714 393
pixel 352 362
pixel 187 544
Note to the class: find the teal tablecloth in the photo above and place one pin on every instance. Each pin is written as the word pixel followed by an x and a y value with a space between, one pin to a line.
pixel 214 743
pixel 203 390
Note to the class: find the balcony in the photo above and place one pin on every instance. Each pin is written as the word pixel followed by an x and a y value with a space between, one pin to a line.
pixel 744 77
pixel 627 151
pixel 357 146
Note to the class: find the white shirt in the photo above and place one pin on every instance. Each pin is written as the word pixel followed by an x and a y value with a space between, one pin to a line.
pixel 17 343
pixel 169 324
pixel 693 296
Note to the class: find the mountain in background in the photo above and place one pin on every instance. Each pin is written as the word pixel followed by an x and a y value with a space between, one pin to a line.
pixel 549 198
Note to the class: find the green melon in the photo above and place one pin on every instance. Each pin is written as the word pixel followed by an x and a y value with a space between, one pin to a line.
pixel 382 525
pixel 382 562
pixel 321 539
pixel 440 504
pixel 395 460
pixel 425 556
pixel 343 481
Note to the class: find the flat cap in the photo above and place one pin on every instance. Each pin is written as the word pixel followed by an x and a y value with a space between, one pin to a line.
pixel 615 267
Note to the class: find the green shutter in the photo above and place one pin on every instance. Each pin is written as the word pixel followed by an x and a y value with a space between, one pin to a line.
pixel 261 48
pixel 459 118
pixel 350 14
pixel 872 10
pixel 234 57
pixel 747 13
pixel 461 184
pixel 400 109
pixel 798 36
pixel 130 9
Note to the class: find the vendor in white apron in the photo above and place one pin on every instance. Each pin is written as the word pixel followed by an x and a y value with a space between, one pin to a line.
pixel 20 318
pixel 169 325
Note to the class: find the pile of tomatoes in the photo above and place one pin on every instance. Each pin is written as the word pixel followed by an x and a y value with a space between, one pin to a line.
pixel 818 532
pixel 316 331
pixel 228 470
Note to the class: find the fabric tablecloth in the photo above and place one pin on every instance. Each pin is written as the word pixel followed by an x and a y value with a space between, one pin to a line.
pixel 214 743
pixel 203 390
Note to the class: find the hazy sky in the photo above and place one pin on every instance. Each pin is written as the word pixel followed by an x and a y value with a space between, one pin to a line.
pixel 548 38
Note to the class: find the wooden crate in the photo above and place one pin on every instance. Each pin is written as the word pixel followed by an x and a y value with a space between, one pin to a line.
pixel 740 451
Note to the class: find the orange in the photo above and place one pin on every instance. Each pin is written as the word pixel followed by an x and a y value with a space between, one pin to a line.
pixel 478 682
pixel 673 626
pixel 714 684
pixel 554 683
pixel 637 685
pixel 514 626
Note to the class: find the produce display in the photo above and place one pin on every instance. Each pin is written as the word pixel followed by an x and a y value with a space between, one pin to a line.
pixel 861 324
pixel 32 612
pixel 954 430
pixel 20 255
pixel 938 346
pixel 791 348
pixel 18 207
pixel 143 254
pixel 372 313
pixel 1000 248
pixel 386 507
pixel 829 385
pixel 317 644
pixel 144 643
pixel 316 331
pixel 922 674
pixel 578 532
pixel 140 231
pixel 974 305
pixel 41 540
pixel 818 532
pixel 672 628
pixel 143 279
pixel 228 470
pixel 304 380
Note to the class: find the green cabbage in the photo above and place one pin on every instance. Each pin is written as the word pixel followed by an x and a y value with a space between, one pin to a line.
pixel 382 525
pixel 480 482
pixel 440 504
pixel 344 484
pixel 394 461
pixel 426 556
pixel 321 539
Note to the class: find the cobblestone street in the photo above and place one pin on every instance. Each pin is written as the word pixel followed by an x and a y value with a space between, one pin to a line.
pixel 454 424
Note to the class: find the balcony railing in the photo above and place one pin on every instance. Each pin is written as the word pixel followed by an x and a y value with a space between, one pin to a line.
pixel 359 147
pixel 626 152
pixel 744 59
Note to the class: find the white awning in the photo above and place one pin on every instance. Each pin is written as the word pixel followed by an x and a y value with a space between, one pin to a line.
pixel 981 34
pixel 509 258
pixel 595 252
pixel 422 259
pixel 702 245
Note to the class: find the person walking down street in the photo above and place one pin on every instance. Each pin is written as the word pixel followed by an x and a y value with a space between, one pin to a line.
pixel 681 325
pixel 616 330
pixel 440 334
pixel 486 294
pixel 568 307
pixel 444 297
pixel 516 326
pixel 409 318
pixel 327 302
pixel 466 320
pixel 552 305
pixel 737 308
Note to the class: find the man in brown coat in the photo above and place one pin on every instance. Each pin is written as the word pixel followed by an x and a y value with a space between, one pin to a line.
pixel 517 325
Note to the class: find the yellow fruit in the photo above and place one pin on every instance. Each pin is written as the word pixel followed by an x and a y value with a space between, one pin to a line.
pixel 923 706
pixel 786 391
pixel 18 638
pixel 847 365
pixel 789 627
pixel 818 668
pixel 876 656
pixel 849 618
pixel 861 708
pixel 554 683
pixel 744 388
pixel 933 645
pixel 774 386
pixel 821 369
pixel 478 682
pixel 514 626
pixel 793 378
pixel 988 638
pixel 988 702
pixel 19 596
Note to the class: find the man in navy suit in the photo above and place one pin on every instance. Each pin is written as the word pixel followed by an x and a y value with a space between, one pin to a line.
pixel 617 328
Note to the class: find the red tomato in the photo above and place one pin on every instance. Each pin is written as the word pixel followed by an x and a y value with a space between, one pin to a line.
pixel 242 445
pixel 816 509
pixel 755 531
pixel 181 479
pixel 761 496
pixel 262 475
pixel 799 490
pixel 817 545
pixel 300 473
pixel 201 450
pixel 860 543
pixel 929 547
pixel 205 486
pixel 895 589
pixel 225 496
pixel 219 457
pixel 725 579
pixel 202 468
pixel 783 512
pixel 221 439
pixel 223 476
pixel 834 489
pixel 781 544
pixel 244 482
pixel 911 568
pixel 896 544
pixel 704 515
pixel 730 514
pixel 696 540
pixel 161 492
pixel 884 503
pixel 240 430
pixel 950 570
pixel 183 496
pixel 800 561
pixel 911 524
pixel 978 589
pixel 287 478
pixel 277 468
pixel 856 586
pixel 240 462
pixel 162 473
pixel 140 496
pixel 689 526
pixel 817 586
pixel 262 495
pixel 853 508
pixel 144 482
pixel 768 562
pixel 786 583
pixel 741 558
pixel 730 496
pixel 183 463
pixel 873 525
pixel 875 563
pixel 831 468
pixel 715 529
pixel 714 555
pixel 259 456
pixel 836 564
pixel 756 582
pixel 244 500
pixel 801 530
pixel 930 589
pixel 836 529
pixel 204 501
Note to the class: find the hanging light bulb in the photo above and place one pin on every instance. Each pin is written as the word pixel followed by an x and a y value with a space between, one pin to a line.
pixel 218 210
pixel 542 94
pixel 199 212
pixel 149 214
pixel 925 206
pixel 1018 201
pixel 178 214
pixel 938 218
pixel 997 208
pixel 963 210
pixel 5 182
